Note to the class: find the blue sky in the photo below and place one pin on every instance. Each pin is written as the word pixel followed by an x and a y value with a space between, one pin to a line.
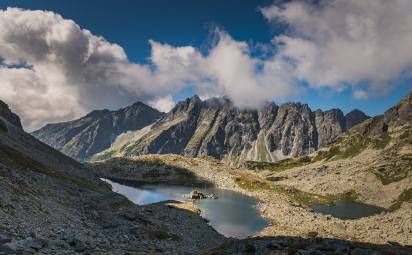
pixel 131 24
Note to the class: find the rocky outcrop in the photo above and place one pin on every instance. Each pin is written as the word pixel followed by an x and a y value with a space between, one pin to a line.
pixel 96 131
pixel 9 115
pixel 355 117
pixel 329 125
pixel 217 128
pixel 196 195
pixel 401 113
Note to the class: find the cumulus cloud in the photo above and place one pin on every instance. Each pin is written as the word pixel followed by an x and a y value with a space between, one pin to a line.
pixel 163 104
pixel 53 70
pixel 360 94
pixel 340 42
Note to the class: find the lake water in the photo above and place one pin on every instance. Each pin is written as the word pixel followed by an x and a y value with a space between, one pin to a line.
pixel 232 214
pixel 347 209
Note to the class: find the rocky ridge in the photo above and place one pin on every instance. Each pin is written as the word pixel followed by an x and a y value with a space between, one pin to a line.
pixel 217 128
pixel 96 131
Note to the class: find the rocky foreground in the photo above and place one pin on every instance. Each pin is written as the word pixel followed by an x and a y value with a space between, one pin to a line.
pixel 285 206
pixel 51 204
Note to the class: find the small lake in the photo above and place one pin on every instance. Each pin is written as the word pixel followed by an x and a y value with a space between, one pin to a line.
pixel 346 209
pixel 232 214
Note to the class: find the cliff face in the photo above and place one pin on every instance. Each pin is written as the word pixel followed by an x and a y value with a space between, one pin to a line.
pixel 8 115
pixel 217 128
pixel 96 131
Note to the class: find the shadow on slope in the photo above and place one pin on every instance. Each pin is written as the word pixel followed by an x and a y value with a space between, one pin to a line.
pixel 135 172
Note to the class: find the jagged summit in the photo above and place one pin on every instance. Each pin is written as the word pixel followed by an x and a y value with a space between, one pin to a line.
pixel 216 127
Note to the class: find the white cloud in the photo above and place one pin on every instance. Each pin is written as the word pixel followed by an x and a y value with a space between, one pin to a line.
pixel 342 42
pixel 360 94
pixel 53 70
pixel 163 104
pixel 227 69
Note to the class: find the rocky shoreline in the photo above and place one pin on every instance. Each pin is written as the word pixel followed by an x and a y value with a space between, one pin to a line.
pixel 291 218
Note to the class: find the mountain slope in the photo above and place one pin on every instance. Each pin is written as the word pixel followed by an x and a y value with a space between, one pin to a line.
pixel 8 115
pixel 51 203
pixel 217 128
pixel 373 159
pixel 96 131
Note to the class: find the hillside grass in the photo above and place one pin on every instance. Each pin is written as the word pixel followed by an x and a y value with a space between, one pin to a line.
pixel 256 184
pixel 278 166
pixel 350 146
pixel 405 196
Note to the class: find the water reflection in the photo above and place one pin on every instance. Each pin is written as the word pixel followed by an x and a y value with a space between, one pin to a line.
pixel 232 214
pixel 346 209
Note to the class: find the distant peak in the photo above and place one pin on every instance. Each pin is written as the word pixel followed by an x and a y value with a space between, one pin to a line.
pixel 194 98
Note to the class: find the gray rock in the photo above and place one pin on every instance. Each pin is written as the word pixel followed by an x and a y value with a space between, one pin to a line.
pixel 355 117
pixel 96 131
pixel 217 128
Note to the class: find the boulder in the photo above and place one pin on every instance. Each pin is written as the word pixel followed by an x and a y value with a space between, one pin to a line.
pixel 199 195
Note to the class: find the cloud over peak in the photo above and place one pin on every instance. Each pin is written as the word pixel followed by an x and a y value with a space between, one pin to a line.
pixel 52 70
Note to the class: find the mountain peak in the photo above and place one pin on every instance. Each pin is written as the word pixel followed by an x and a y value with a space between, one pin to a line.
pixel 355 117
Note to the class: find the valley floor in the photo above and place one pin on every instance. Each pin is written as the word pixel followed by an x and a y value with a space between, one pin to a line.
pixel 285 202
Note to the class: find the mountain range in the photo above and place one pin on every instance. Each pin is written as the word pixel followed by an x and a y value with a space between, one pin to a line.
pixel 51 203
pixel 96 131
pixel 194 128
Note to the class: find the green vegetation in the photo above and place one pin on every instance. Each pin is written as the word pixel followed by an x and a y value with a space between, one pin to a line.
pixel 3 126
pixel 254 183
pixel 102 156
pixel 405 196
pixel 391 174
pixel 326 154
pixel 312 234
pixel 278 166
pixel 381 141
pixel 352 146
